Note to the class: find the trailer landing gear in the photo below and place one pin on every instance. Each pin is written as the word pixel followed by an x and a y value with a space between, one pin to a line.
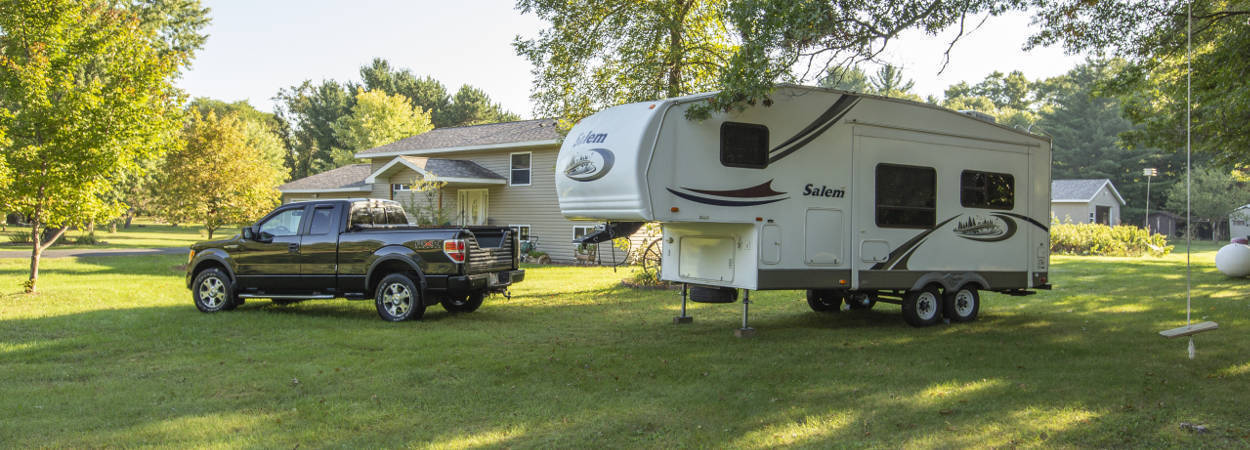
pixel 683 318
pixel 745 331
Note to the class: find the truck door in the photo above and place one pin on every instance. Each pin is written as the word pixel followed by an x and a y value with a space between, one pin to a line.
pixel 319 250
pixel 270 264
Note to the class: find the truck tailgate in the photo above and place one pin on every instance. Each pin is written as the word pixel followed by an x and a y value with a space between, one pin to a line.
pixel 492 252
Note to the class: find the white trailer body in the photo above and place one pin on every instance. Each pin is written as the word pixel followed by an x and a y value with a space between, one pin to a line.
pixel 821 189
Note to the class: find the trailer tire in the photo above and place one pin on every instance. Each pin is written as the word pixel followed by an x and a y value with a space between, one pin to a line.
pixel 463 304
pixel 861 300
pixel 922 307
pixel 962 305
pixel 825 300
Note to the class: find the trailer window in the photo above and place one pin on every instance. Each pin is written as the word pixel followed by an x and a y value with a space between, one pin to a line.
pixel 743 145
pixel 987 190
pixel 906 196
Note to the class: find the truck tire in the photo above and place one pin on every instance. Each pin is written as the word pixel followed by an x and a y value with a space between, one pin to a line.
pixel 398 299
pixel 922 307
pixel 463 304
pixel 962 305
pixel 824 300
pixel 213 291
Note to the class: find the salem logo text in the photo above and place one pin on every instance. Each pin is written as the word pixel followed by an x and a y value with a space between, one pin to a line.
pixel 589 165
pixel 590 137
pixel 812 190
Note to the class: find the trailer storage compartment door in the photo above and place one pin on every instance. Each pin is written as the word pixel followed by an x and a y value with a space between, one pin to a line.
pixel 823 234
pixel 770 244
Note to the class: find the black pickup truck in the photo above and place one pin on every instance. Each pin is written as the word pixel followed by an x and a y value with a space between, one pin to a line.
pixel 357 249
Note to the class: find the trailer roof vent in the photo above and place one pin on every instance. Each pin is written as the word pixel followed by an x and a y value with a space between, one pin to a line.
pixel 979 115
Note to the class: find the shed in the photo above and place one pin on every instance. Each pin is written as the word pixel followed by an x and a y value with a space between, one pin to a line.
pixel 1086 201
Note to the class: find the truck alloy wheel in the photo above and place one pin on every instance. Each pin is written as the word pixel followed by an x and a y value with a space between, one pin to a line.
pixel 922 307
pixel 463 303
pixel 397 299
pixel 212 291
pixel 962 305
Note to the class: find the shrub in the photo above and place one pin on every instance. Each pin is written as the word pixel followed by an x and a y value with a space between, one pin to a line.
pixel 88 239
pixel 1103 240
pixel 20 237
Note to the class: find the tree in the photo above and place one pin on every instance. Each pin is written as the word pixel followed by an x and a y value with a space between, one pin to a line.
pixel 426 93
pixel 87 94
pixel 888 81
pixel 1213 196
pixel 307 114
pixel 1151 35
pixel 848 79
pixel 600 53
pixel 377 119
pixel 261 129
pixel 471 106
pixel 217 179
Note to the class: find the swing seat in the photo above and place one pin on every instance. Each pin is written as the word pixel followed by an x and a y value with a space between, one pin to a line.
pixel 1189 330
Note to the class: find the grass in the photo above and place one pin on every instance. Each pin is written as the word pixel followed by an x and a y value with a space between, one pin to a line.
pixel 143 233
pixel 112 353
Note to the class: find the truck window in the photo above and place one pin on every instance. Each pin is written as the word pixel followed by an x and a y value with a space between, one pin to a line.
pixel 361 215
pixel 395 215
pixel 987 190
pixel 285 223
pixel 743 145
pixel 906 196
pixel 321 220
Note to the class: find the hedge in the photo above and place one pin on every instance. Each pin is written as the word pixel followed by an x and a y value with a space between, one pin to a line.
pixel 1103 240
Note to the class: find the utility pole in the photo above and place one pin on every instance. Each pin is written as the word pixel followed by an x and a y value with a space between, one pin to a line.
pixel 1148 173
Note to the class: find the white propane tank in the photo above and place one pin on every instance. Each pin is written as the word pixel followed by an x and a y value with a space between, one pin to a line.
pixel 1233 260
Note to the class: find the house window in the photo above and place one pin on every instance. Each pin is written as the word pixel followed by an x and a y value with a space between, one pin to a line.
pixel 906 196
pixel 401 187
pixel 987 190
pixel 519 175
pixel 522 232
pixel 743 145
pixel 582 230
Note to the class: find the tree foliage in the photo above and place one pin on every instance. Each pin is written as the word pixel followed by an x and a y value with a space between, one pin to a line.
pixel 260 129
pixel 376 119
pixel 216 178
pixel 307 113
pixel 1213 196
pixel 87 95
pixel 600 53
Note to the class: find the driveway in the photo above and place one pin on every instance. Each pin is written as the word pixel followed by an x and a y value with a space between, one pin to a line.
pixel 64 253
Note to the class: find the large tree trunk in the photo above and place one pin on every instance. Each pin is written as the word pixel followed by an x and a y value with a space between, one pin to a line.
pixel 38 246
pixel 129 217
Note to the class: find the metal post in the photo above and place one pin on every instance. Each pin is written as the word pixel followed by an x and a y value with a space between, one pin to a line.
pixel 683 318
pixel 745 331
pixel 1149 173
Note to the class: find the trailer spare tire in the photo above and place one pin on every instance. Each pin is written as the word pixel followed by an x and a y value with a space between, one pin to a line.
pixel 825 300
pixel 711 294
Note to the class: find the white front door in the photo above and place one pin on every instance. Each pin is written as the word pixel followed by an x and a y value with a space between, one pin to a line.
pixel 472 206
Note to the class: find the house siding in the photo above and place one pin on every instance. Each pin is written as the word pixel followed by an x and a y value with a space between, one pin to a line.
pixel 1080 212
pixel 535 205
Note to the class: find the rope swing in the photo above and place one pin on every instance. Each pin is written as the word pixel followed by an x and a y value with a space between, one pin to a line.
pixel 1190 328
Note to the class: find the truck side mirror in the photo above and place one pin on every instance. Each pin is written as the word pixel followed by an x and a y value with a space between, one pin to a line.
pixel 248 234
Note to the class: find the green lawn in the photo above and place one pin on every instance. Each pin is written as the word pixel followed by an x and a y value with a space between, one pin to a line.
pixel 112 353
pixel 143 233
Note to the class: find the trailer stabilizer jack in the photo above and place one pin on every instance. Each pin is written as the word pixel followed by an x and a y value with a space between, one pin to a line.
pixel 746 331
pixel 683 318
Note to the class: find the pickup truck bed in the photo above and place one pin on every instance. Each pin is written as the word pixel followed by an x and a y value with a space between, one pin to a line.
pixel 351 249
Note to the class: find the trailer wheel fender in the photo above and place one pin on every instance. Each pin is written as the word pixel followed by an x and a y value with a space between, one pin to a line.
pixel 950 281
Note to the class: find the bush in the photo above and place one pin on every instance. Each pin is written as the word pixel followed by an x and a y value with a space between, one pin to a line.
pixel 21 237
pixel 1103 240
pixel 88 239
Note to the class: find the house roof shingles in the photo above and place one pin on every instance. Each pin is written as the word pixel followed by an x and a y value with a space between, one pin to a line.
pixel 1080 190
pixel 452 168
pixel 346 177
pixel 536 130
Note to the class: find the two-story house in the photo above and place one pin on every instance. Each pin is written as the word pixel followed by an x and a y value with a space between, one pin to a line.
pixel 499 174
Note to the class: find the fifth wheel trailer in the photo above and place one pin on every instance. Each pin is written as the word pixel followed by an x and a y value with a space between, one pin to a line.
pixel 851 197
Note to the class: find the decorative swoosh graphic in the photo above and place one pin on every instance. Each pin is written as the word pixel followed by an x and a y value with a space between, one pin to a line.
pixel 900 255
pixel 813 130
pixel 762 190
pixel 1027 219
pixel 1011 230
pixel 719 202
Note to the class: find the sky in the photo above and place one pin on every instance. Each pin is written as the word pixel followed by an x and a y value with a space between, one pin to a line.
pixel 257 47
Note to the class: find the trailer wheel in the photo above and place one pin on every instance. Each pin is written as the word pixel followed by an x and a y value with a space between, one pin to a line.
pixel 824 300
pixel 962 305
pixel 463 304
pixel 922 307
pixel 861 300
